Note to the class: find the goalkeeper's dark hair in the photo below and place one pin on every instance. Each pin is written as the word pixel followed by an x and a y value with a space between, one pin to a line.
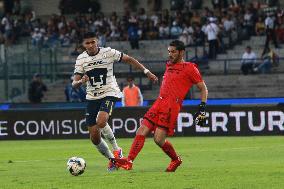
pixel 178 44
pixel 89 35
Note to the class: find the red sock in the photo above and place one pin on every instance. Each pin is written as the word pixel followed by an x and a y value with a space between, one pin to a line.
pixel 136 146
pixel 169 150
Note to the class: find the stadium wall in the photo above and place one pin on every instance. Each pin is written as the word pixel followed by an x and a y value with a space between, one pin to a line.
pixel 69 123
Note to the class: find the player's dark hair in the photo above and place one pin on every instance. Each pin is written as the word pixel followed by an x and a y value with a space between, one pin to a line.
pixel 89 35
pixel 178 44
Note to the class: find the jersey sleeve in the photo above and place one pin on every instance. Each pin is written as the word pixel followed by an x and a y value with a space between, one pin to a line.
pixel 79 70
pixel 194 74
pixel 115 55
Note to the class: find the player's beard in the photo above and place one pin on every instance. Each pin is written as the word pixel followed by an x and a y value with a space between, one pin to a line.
pixel 92 51
pixel 174 59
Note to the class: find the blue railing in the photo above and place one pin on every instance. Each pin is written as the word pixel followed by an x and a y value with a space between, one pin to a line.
pixel 193 102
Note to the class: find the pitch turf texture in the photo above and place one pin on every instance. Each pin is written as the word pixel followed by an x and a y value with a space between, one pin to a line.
pixel 208 162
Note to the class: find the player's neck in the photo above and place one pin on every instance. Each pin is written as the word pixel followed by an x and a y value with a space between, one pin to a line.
pixel 178 61
pixel 93 53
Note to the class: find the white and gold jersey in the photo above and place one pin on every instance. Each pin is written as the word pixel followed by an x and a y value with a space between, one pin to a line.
pixel 99 69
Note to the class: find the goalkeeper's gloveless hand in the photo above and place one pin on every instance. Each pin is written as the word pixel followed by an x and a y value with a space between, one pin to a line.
pixel 199 117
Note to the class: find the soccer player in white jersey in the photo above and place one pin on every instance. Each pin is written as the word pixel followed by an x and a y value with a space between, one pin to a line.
pixel 94 67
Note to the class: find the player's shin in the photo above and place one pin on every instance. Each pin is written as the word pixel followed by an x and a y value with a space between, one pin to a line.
pixel 169 150
pixel 108 134
pixel 104 150
pixel 136 146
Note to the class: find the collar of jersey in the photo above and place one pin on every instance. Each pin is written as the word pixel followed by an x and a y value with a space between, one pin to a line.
pixel 170 63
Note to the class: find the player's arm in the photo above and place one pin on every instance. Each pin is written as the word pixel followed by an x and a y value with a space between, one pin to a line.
pixel 79 80
pixel 132 61
pixel 79 74
pixel 199 116
pixel 203 91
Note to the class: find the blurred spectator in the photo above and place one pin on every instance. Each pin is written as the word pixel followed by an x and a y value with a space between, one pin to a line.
pixel 199 36
pixel 74 94
pixel 196 19
pixel 248 22
pixel 164 31
pixel 269 58
pixel 36 89
pixel 6 27
pixel 155 18
pixel 270 31
pixel 133 36
pixel 248 61
pixel 17 7
pixel 131 94
pixel 115 35
pixel 175 30
pixel 188 28
pixel 185 38
pixel 166 15
pixel 259 27
pixel 212 31
pixel 142 16
pixel 152 32
pixel 101 38
pixel 37 37
pixel 65 40
pixel 229 26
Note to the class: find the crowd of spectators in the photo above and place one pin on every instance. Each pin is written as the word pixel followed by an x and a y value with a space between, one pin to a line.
pixel 230 22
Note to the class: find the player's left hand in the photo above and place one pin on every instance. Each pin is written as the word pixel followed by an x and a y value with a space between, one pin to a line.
pixel 152 77
pixel 85 78
pixel 199 117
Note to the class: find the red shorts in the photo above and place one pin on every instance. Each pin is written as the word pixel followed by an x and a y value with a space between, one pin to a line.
pixel 163 114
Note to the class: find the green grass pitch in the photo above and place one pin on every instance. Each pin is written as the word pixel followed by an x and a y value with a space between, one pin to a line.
pixel 208 162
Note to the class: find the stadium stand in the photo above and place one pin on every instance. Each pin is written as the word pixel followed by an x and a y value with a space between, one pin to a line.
pixel 51 52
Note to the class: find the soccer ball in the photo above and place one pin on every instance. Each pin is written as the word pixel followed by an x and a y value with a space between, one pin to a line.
pixel 76 165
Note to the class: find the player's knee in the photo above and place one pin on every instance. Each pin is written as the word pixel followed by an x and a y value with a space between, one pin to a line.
pixel 139 131
pixel 143 130
pixel 101 123
pixel 158 140
pixel 95 136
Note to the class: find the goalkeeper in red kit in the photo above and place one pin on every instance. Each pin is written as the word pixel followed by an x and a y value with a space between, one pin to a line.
pixel 161 118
